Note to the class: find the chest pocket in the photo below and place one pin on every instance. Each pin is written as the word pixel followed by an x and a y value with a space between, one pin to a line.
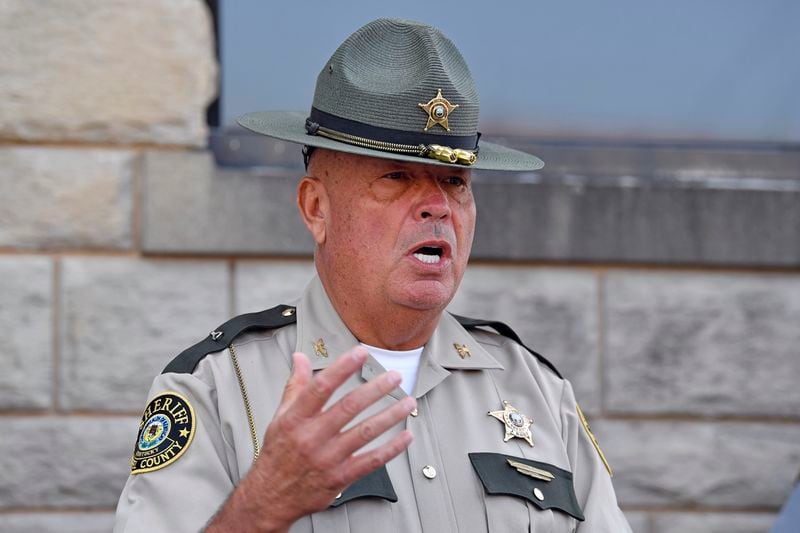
pixel 371 496
pixel 514 483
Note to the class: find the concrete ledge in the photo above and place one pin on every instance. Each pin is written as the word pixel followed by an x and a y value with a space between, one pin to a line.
pixel 593 204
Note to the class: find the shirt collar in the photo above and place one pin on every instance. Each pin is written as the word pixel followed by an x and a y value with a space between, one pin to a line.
pixel 321 331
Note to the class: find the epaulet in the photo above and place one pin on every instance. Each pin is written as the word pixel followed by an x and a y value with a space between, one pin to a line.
pixel 223 336
pixel 505 331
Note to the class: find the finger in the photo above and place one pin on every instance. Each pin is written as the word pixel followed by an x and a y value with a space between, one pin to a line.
pixel 319 390
pixel 355 401
pixel 368 430
pixel 362 464
pixel 298 380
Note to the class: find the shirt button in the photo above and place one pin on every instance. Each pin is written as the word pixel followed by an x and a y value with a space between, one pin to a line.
pixel 429 472
pixel 414 412
pixel 538 493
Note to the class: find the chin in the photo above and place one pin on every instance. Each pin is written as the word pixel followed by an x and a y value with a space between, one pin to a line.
pixel 427 295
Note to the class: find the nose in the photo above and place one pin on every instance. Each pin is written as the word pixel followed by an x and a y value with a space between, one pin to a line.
pixel 434 203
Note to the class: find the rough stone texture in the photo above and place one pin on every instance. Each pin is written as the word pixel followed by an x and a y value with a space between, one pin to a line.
pixel 190 206
pixel 57 522
pixel 100 71
pixel 264 284
pixel 66 462
pixel 65 197
pixel 639 522
pixel 703 343
pixel 632 219
pixel 26 313
pixel 124 319
pixel 708 464
pixel 554 311
pixel 713 522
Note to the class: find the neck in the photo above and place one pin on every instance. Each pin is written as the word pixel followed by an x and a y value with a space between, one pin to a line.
pixel 383 325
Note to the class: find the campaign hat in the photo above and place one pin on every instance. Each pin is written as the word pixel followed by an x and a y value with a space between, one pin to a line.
pixel 395 89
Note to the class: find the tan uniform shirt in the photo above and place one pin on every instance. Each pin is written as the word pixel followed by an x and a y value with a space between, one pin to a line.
pixel 437 483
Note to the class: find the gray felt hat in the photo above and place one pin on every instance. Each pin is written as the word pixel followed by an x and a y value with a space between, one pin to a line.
pixel 399 90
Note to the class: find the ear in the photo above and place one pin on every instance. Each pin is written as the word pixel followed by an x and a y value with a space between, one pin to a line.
pixel 312 201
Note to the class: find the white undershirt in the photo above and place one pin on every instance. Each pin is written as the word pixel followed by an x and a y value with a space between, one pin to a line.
pixel 404 361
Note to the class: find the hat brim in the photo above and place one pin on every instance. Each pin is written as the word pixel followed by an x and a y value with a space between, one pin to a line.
pixel 290 126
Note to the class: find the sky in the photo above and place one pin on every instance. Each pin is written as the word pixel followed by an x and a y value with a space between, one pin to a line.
pixel 684 69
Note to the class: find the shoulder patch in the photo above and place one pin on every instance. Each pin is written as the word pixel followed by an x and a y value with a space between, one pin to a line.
pixel 506 331
pixel 165 432
pixel 223 336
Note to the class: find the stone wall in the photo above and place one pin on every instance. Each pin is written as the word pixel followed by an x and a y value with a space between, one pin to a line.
pixel 121 244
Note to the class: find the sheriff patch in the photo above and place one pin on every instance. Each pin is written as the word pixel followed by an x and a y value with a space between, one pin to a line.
pixel 166 430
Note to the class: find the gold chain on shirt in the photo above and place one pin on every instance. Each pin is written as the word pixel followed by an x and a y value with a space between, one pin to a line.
pixel 248 410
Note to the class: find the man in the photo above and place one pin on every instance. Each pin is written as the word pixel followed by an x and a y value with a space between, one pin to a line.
pixel 467 430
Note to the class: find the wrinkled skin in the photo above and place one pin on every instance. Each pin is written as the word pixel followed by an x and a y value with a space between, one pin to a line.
pixel 368 217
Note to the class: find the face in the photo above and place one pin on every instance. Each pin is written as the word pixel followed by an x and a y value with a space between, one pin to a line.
pixel 395 232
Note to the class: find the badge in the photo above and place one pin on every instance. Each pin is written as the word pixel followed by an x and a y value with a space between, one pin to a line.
pixel 462 349
pixel 438 110
pixel 517 424
pixel 594 440
pixel 165 431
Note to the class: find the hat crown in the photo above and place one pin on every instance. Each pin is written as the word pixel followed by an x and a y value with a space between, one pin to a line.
pixel 383 71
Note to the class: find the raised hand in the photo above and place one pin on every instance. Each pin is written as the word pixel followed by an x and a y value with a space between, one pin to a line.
pixel 308 457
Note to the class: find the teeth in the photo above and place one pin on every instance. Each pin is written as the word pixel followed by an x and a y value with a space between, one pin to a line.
pixel 429 259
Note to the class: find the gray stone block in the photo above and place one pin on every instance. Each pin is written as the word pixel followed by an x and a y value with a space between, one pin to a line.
pixel 79 522
pixel 65 462
pixel 708 343
pixel 65 197
pixel 123 320
pixel 635 219
pixel 192 207
pixel 701 464
pixel 713 522
pixel 554 311
pixel 264 284
pixel 130 71
pixel 639 522
pixel 26 313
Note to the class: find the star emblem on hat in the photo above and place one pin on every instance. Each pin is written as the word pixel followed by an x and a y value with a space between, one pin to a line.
pixel 438 110
pixel 517 424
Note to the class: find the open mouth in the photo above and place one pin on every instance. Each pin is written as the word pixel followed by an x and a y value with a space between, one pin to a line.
pixel 429 254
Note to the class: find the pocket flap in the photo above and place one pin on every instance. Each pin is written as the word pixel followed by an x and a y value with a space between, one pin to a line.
pixel 542 484
pixel 374 485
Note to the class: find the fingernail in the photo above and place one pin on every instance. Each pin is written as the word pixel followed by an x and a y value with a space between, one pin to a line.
pixel 359 354
pixel 394 377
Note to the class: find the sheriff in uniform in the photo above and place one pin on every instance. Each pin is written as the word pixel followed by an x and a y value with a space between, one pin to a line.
pixel 365 406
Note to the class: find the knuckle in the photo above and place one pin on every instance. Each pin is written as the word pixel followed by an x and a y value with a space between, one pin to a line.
pixel 375 461
pixel 349 405
pixel 320 388
pixel 366 431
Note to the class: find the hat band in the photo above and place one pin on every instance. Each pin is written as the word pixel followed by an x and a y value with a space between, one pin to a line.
pixel 459 149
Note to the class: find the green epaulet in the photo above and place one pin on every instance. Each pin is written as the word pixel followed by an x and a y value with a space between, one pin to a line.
pixel 223 336
pixel 283 315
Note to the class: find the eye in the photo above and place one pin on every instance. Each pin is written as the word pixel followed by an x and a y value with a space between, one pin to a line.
pixel 455 181
pixel 398 175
